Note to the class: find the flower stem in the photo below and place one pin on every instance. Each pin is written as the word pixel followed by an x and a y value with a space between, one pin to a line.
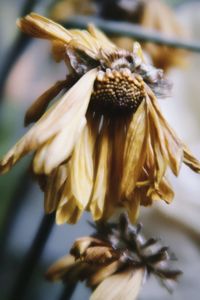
pixel 16 203
pixel 68 291
pixel 32 258
pixel 133 31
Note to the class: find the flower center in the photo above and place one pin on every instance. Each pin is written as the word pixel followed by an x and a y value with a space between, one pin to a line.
pixel 117 92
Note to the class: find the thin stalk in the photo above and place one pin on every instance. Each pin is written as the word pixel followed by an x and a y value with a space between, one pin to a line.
pixel 68 291
pixel 16 203
pixel 131 30
pixel 32 258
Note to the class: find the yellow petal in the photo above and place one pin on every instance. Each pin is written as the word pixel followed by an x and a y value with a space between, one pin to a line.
pixel 68 213
pixel 170 141
pixel 190 160
pixel 104 42
pixel 102 170
pixel 71 106
pixel 41 27
pixel 82 168
pixel 135 150
pixel 54 183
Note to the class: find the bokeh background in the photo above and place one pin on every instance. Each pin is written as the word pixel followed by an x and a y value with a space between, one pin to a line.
pixel 21 201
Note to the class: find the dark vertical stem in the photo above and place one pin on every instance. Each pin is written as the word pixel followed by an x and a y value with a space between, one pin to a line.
pixel 68 291
pixel 32 258
pixel 19 196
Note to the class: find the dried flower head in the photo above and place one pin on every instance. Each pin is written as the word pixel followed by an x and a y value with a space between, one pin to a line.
pixel 105 144
pixel 152 14
pixel 115 261
pixel 63 9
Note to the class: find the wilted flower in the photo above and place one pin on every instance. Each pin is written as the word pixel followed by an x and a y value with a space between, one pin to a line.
pixel 115 262
pixel 105 143
pixel 66 8
pixel 151 14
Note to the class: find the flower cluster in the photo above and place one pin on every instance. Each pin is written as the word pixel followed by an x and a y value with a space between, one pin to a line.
pixel 105 143
pixel 115 262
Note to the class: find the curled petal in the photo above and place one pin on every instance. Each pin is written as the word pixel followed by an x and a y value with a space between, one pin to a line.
pixel 59 268
pixel 65 114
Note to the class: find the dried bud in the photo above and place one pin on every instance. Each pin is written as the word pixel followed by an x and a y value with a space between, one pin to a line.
pixel 115 261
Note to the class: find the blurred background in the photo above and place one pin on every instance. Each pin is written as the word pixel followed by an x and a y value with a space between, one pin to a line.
pixel 26 70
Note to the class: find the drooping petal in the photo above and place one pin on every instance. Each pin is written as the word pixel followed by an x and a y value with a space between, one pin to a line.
pixel 69 110
pixel 53 188
pixel 177 150
pixel 162 192
pixel 102 170
pixel 135 150
pixel 81 174
pixel 41 27
pixel 117 137
pixel 171 141
pixel 59 148
pixel 190 160
pixel 68 212
pixel 133 207
pixel 104 42
pixel 124 285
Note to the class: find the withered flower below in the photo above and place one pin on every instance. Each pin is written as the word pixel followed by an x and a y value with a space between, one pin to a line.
pixel 105 144
pixel 151 14
pixel 115 262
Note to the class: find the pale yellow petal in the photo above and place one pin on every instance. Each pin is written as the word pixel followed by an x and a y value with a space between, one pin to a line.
pixel 135 150
pixel 65 212
pixel 41 27
pixel 82 168
pixel 171 142
pixel 190 160
pixel 124 285
pixel 58 117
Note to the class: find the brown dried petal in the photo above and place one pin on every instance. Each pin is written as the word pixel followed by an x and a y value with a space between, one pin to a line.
pixel 39 106
pixel 103 273
pixel 59 268
pixel 81 245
